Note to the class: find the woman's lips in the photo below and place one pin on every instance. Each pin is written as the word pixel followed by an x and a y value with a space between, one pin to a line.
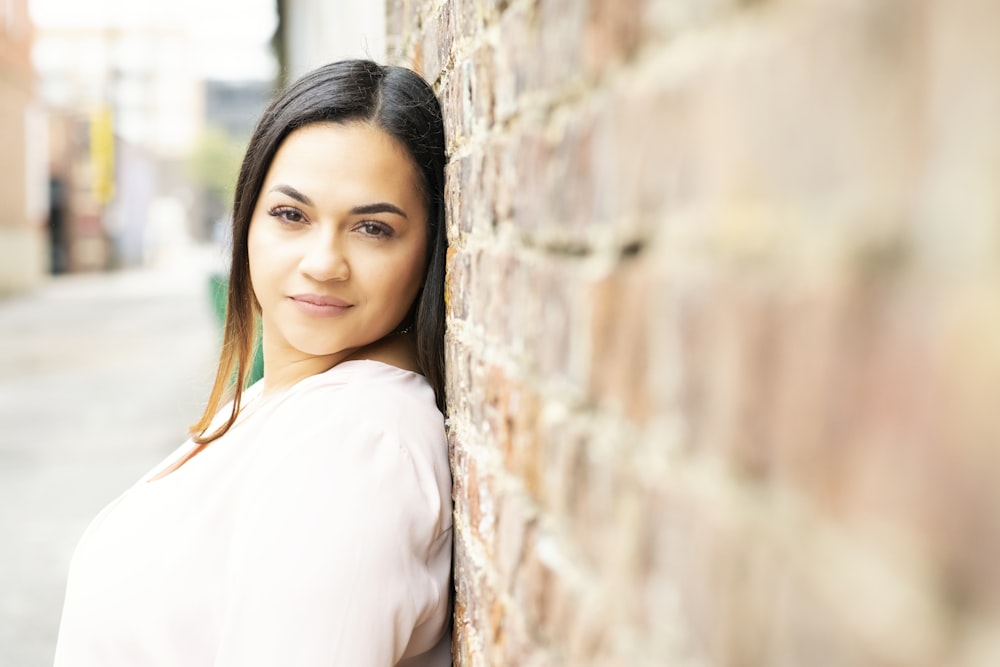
pixel 320 306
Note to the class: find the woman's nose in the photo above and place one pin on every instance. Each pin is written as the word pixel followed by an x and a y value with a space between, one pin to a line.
pixel 324 260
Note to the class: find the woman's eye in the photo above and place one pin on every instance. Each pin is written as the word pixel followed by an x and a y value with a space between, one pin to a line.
pixel 287 214
pixel 375 229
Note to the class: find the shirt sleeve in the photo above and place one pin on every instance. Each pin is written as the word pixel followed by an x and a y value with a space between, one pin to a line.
pixel 342 554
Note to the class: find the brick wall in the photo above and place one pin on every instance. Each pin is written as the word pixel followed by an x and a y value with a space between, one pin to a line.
pixel 724 328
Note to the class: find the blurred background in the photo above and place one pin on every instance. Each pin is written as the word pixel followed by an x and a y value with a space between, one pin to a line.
pixel 122 124
pixel 723 301
pixel 126 120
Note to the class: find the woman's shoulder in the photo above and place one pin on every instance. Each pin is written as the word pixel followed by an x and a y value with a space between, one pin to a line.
pixel 366 385
pixel 367 420
pixel 365 397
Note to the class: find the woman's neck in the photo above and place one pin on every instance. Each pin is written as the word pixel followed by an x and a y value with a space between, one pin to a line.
pixel 282 370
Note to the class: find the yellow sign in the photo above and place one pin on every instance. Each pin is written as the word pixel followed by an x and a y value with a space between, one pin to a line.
pixel 102 154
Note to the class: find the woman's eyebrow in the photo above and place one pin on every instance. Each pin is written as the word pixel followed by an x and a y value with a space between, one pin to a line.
pixel 293 193
pixel 380 207
pixel 366 209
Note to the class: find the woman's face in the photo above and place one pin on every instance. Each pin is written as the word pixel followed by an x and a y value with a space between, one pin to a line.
pixel 337 242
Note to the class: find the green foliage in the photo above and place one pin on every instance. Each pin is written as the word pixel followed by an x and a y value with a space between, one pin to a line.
pixel 215 161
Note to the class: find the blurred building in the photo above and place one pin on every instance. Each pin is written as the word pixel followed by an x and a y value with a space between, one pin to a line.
pixel 148 75
pixel 315 32
pixel 129 86
pixel 235 106
pixel 125 109
pixel 232 108
pixel 22 184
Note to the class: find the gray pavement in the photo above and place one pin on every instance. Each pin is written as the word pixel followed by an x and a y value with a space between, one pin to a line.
pixel 99 377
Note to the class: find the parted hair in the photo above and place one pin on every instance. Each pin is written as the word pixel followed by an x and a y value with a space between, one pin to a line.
pixel 394 99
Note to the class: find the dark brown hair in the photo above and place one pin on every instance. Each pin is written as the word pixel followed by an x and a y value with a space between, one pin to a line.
pixel 396 100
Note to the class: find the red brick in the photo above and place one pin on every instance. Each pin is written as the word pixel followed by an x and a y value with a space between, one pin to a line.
pixel 449 94
pixel 592 510
pixel 528 583
pixel 457 284
pixel 496 392
pixel 394 23
pixel 784 217
pixel 474 210
pixel 481 488
pixel 460 464
pixel 557 61
pixel 458 379
pixel 503 169
pixel 561 444
pixel 570 177
pixel 612 33
pixel 466 17
pixel 517 64
pixel 619 332
pixel 557 346
pixel 515 523
pixel 525 166
pixel 476 391
pixel 437 40
pixel 526 459
pixel 454 205
pixel 515 291
pixel 481 84
pixel 511 411
pixel 481 277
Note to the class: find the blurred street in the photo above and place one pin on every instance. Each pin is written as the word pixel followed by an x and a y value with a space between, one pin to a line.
pixel 100 374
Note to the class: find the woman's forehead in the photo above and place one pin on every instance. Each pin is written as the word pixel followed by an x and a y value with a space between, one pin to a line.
pixel 357 158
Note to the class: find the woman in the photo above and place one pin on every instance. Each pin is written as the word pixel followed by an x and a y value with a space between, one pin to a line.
pixel 308 521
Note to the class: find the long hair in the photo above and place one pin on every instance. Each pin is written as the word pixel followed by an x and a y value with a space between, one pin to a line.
pixel 399 102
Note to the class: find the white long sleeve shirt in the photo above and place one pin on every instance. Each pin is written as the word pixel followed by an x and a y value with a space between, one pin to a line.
pixel 317 531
